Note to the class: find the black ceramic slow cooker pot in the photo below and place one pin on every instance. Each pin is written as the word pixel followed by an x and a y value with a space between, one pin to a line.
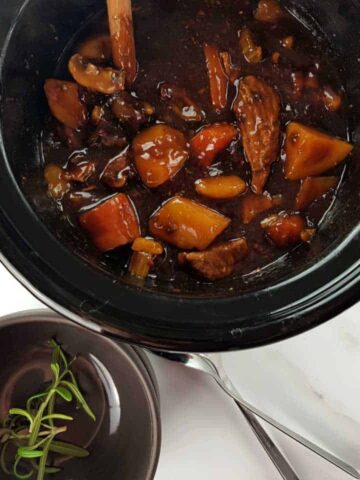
pixel 309 287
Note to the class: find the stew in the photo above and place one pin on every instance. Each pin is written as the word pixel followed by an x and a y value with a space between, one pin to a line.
pixel 200 137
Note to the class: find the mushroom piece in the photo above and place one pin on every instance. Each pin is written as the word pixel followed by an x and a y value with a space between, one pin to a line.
pixel 97 49
pixel 251 51
pixel 65 104
pixel 180 103
pixel 102 80
pixel 131 111
pixel 57 182
pixel 117 171
pixel 108 135
pixel 80 169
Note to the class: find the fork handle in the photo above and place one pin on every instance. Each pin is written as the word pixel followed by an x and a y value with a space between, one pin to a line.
pixel 283 466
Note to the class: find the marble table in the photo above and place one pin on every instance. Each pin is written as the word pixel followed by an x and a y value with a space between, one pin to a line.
pixel 311 383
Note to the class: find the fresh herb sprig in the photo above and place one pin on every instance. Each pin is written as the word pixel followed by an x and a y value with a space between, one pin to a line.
pixel 29 435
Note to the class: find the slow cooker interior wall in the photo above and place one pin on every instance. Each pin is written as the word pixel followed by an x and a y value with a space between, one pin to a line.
pixel 42 32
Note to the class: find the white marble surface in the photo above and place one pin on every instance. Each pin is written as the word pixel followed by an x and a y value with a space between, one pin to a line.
pixel 312 383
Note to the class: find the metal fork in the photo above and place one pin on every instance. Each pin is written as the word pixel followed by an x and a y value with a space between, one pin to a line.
pixel 206 364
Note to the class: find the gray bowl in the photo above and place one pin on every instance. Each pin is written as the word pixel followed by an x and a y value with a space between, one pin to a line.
pixel 125 440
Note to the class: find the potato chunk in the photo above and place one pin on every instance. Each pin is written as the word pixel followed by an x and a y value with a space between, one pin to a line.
pixel 160 152
pixel 111 224
pixel 64 103
pixel 313 188
pixel 310 152
pixel 222 187
pixel 187 224
pixel 210 141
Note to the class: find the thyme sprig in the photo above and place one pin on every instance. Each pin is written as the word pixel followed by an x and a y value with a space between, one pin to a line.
pixel 29 435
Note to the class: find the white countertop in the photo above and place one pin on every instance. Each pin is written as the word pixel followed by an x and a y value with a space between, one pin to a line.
pixel 311 383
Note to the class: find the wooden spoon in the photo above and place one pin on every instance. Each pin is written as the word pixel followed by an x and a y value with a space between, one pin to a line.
pixel 122 37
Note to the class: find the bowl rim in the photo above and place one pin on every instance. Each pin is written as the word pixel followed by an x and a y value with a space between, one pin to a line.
pixel 137 363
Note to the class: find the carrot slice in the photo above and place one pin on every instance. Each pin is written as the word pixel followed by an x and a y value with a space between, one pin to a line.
pixel 160 152
pixel 210 141
pixel 187 224
pixel 111 224
pixel 310 152
pixel 64 103
pixel 219 82
pixel 313 188
pixel 222 187
pixel 144 252
pixel 122 37
pixel 141 264
pixel 253 205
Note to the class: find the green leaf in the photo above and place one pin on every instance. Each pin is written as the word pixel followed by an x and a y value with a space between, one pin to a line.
pixel 42 463
pixel 55 367
pixel 57 416
pixel 18 475
pixel 80 398
pixel 5 434
pixel 22 413
pixel 34 397
pixel 55 354
pixel 64 393
pixel 28 452
pixel 3 459
pixel 52 470
pixel 58 353
pixel 68 449
pixel 48 470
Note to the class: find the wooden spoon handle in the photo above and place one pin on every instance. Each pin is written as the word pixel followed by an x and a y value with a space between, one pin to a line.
pixel 122 37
